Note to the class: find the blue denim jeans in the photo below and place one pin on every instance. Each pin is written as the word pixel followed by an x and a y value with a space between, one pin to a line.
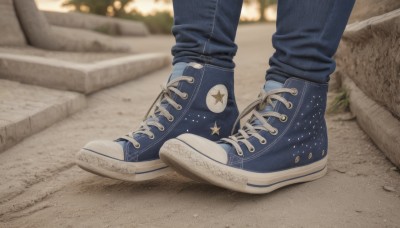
pixel 307 35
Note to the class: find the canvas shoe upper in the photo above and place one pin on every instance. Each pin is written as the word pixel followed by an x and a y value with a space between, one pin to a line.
pixel 200 101
pixel 283 142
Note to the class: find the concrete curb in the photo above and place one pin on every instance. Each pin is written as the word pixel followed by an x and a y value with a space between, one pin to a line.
pixel 376 121
pixel 85 78
pixel 26 110
pixel 41 34
pixel 110 25
pixel 369 55
pixel 361 31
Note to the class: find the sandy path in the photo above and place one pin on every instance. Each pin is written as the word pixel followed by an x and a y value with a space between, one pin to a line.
pixel 40 186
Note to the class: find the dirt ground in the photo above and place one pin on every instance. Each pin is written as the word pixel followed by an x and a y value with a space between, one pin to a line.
pixel 41 187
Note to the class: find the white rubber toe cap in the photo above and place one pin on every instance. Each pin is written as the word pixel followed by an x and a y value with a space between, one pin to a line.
pixel 206 147
pixel 106 148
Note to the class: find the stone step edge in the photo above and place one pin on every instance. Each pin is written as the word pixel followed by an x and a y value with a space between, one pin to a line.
pixel 80 77
pixel 40 120
pixel 379 124
pixel 365 30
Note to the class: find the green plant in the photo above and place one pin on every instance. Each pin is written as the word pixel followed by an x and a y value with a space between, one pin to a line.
pixel 340 103
pixel 158 23
pixel 114 8
pixel 106 29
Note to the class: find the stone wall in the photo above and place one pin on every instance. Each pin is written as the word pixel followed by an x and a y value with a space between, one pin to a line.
pixel 370 55
pixel 365 9
pixel 368 64
pixel 11 32
pixel 113 26
pixel 39 33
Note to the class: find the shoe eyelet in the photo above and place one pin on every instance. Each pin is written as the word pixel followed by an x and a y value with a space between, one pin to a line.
pixel 297 159
pixel 274 132
pixel 295 92
pixel 161 128
pixel 283 118
pixel 290 105
pixel 171 118
pixel 240 153
pixel 136 146
pixel 264 141
pixel 179 107
pixel 151 137
pixel 252 149
pixel 191 81
pixel 185 96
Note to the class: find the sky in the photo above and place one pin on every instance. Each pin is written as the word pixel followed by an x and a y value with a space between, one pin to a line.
pixel 145 7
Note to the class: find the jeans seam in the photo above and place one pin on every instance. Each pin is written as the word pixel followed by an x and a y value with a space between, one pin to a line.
pixel 311 63
pixel 211 32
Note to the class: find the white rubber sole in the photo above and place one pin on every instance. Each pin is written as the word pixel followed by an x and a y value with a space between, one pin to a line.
pixel 191 163
pixel 121 170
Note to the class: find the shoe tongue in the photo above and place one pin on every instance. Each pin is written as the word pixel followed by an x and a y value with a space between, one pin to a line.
pixel 177 70
pixel 268 86
pixel 271 84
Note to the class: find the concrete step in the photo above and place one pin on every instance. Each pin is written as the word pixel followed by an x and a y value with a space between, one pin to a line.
pixel 25 110
pixel 369 55
pixel 80 77
pixel 368 65
pixel 375 120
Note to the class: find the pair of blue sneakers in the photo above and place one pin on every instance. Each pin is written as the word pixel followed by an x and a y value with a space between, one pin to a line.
pixel 192 128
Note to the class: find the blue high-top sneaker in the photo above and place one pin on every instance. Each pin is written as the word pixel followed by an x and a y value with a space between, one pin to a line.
pixel 284 142
pixel 198 99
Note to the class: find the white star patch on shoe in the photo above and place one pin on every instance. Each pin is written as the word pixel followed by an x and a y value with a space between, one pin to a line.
pixel 217 98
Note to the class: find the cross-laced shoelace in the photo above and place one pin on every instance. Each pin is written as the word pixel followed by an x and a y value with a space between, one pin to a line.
pixel 159 107
pixel 258 119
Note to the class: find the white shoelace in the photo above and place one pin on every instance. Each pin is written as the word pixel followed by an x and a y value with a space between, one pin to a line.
pixel 159 110
pixel 256 109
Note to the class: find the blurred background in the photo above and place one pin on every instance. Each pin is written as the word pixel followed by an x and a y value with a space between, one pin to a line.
pixel 156 14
